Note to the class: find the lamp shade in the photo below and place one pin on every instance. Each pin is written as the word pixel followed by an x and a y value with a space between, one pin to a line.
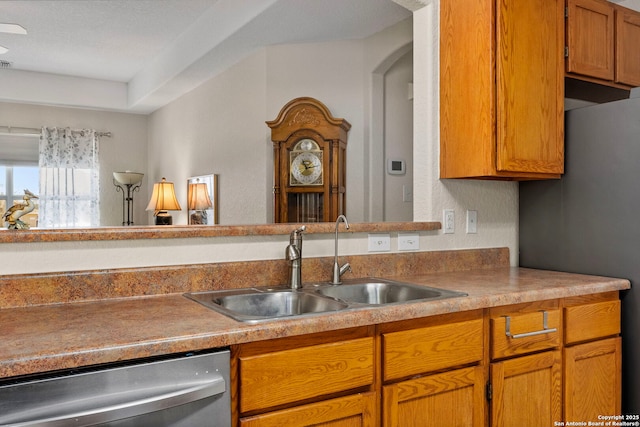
pixel 128 177
pixel 163 197
pixel 198 197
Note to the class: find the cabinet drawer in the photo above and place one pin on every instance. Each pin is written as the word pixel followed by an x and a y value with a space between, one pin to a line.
pixel 432 348
pixel 523 333
pixel 356 410
pixel 591 321
pixel 281 377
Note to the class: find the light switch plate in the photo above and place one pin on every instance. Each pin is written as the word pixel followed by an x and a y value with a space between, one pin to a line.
pixel 472 222
pixel 408 242
pixel 379 242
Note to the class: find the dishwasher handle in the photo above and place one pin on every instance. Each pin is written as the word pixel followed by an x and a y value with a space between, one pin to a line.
pixel 127 404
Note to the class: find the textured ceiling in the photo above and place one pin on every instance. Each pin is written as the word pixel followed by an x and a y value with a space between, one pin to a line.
pixel 150 45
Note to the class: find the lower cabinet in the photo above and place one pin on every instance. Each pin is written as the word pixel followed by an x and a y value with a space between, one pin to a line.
pixel 454 398
pixel 593 346
pixel 533 364
pixel 432 371
pixel 526 364
pixel 351 411
pixel 527 390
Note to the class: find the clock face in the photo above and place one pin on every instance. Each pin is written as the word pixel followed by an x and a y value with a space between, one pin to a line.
pixel 306 168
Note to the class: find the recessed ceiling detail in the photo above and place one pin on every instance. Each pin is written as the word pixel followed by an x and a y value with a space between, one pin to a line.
pixel 12 29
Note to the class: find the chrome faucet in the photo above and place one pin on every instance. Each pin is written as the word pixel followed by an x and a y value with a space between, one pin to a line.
pixel 337 270
pixel 293 254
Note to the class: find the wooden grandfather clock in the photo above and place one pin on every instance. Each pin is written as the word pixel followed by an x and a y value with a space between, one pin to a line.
pixel 309 162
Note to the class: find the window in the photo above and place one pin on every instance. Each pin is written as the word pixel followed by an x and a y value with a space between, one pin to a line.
pixel 18 171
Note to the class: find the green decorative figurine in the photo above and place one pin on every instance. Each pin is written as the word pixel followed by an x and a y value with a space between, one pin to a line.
pixel 13 214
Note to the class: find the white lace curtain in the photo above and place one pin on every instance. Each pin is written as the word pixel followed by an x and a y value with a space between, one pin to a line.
pixel 69 178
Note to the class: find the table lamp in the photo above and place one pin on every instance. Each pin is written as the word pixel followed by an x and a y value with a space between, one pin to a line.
pixel 163 199
pixel 199 201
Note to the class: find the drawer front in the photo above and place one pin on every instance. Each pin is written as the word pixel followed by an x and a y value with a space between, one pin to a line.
pixel 292 375
pixel 591 321
pixel 432 348
pixel 523 333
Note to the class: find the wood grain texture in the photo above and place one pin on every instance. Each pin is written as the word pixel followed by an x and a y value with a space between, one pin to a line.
pixel 627 41
pixel 432 348
pixel 592 321
pixel 450 398
pixel 530 76
pixel 350 411
pixel 287 376
pixel 527 391
pixel 501 89
pixel 593 375
pixel 590 38
pixel 503 346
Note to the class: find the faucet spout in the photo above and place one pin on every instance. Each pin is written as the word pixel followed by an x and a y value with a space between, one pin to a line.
pixel 293 254
pixel 337 269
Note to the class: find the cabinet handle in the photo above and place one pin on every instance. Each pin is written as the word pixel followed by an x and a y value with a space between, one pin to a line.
pixel 545 329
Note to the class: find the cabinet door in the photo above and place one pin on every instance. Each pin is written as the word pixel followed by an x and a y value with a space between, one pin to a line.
pixel 527 391
pixel 455 396
pixel 598 392
pixel 349 411
pixel 627 41
pixel 590 38
pixel 530 77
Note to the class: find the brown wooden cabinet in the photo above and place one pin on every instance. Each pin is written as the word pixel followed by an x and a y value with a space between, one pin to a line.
pixel 527 390
pixel 526 364
pixel 433 371
pixel 456 396
pixel 627 40
pixel 521 364
pixel 593 346
pixel 351 411
pixel 308 380
pixel 602 42
pixel 501 89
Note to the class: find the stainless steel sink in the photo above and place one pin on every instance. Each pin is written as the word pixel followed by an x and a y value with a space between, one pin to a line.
pixel 261 304
pixel 255 305
pixel 381 291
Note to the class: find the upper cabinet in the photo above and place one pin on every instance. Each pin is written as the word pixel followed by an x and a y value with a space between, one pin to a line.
pixel 602 41
pixel 501 89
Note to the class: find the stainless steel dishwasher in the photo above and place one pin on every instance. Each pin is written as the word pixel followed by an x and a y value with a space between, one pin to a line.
pixel 190 390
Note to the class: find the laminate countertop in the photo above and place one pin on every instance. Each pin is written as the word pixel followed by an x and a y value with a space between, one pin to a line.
pixel 59 336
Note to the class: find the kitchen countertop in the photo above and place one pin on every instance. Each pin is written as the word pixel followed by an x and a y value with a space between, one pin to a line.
pixel 58 336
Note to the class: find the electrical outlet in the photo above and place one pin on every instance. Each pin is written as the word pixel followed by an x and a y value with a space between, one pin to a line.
pixel 449 221
pixel 472 222
pixel 408 242
pixel 379 242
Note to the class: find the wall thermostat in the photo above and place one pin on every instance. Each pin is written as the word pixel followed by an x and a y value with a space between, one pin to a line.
pixel 396 167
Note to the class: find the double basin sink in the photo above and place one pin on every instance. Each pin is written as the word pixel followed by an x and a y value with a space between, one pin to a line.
pixel 260 304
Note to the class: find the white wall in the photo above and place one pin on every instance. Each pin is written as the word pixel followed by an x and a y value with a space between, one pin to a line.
pixel 218 128
pixel 398 138
pixel 496 202
pixel 125 150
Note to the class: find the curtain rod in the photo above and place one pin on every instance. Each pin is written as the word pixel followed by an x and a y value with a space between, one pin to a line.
pixel 35 131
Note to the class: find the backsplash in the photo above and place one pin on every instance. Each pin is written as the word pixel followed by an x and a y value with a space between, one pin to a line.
pixel 56 288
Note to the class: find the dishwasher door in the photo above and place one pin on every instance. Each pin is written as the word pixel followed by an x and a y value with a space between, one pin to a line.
pixel 188 391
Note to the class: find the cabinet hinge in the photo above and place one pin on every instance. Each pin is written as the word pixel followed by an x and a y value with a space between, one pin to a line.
pixel 566 11
pixel 566 51
pixel 489 391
